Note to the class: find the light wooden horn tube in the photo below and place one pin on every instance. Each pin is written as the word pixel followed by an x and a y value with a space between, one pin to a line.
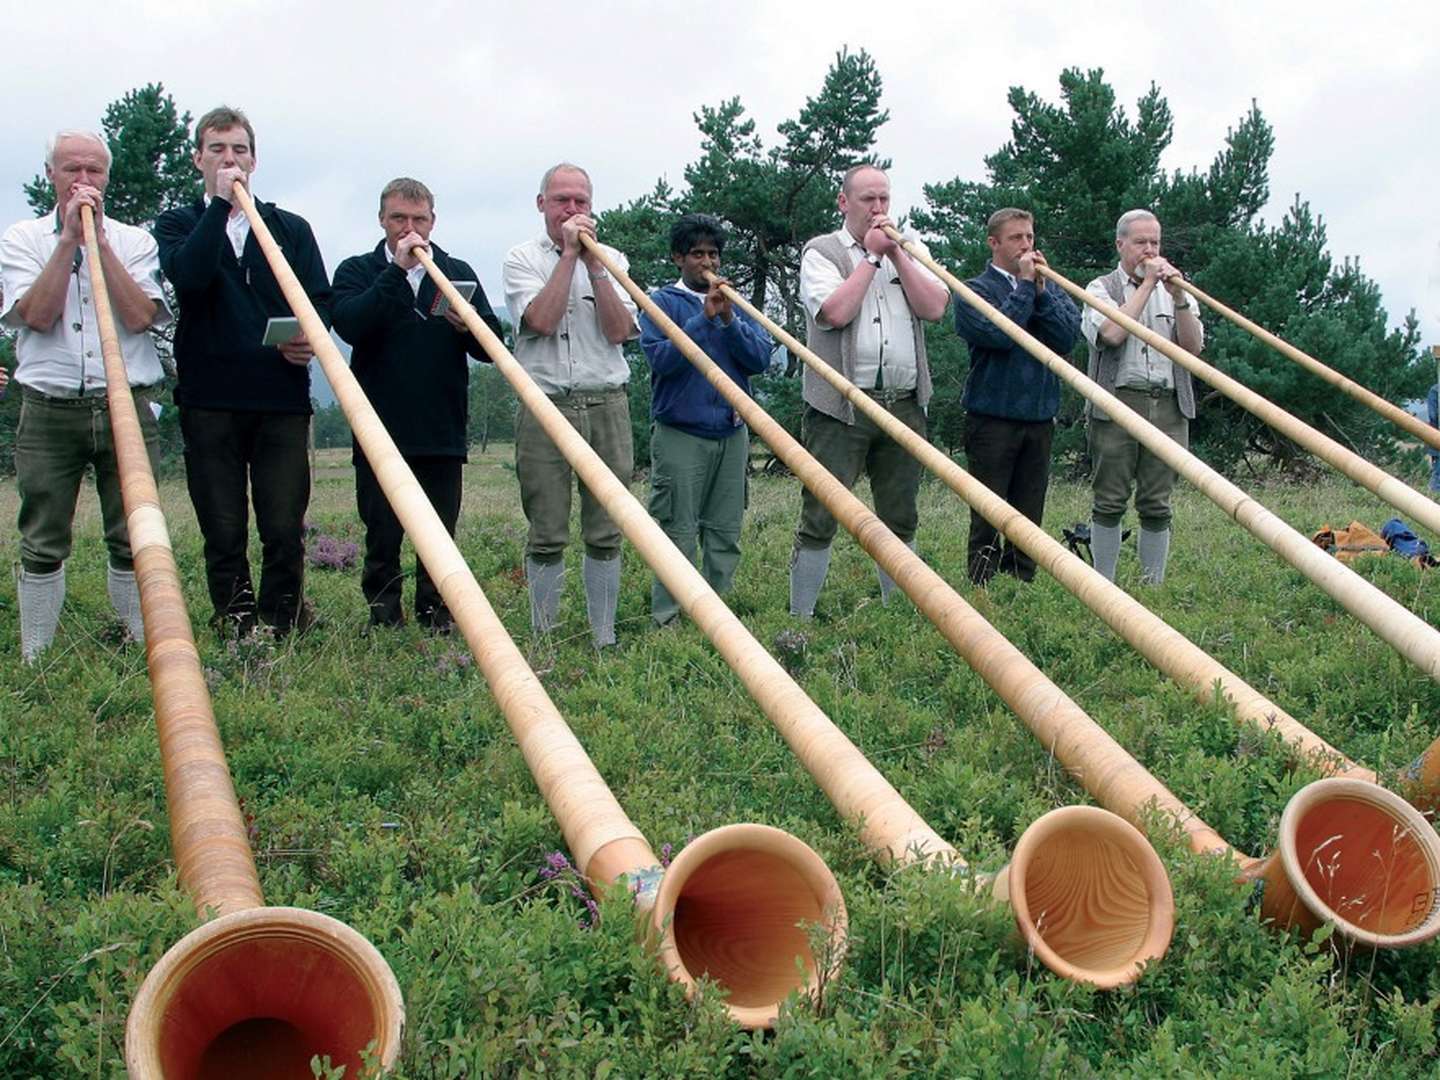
pixel 1089 893
pixel 257 990
pixel 1400 909
pixel 1388 409
pixel 1402 629
pixel 734 903
pixel 1369 476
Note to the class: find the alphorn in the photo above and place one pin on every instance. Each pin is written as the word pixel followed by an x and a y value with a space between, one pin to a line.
pixel 1410 636
pixel 1346 385
pixel 1376 907
pixel 257 990
pixel 1099 885
pixel 734 904
pixel 1161 644
pixel 1369 476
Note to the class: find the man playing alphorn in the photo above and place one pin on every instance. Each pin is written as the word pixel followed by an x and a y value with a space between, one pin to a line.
pixel 1147 288
pixel 864 301
pixel 1010 398
pixel 64 416
pixel 699 445
pixel 410 356
pixel 570 323
pixel 244 405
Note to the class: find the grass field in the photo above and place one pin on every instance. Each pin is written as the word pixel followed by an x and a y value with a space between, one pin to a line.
pixel 384 788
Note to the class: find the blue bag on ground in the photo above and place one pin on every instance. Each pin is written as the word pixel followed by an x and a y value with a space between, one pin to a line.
pixel 1398 535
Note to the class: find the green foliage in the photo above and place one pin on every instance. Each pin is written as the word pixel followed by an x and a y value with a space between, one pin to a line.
pixel 772 201
pixel 1080 163
pixel 382 786
pixel 152 170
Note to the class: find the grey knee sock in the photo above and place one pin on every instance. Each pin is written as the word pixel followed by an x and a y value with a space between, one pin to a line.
pixel 808 567
pixel 125 599
pixel 546 583
pixel 1154 548
pixel 602 594
pixel 887 583
pixel 41 597
pixel 1105 546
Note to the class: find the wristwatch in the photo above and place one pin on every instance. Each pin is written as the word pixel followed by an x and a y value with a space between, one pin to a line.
pixel 599 275
pixel 873 259
pixel 1182 307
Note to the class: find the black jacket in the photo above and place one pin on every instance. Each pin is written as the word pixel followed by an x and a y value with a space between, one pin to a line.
pixel 411 364
pixel 224 305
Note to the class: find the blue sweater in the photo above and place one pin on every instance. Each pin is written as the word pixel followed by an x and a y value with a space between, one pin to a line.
pixel 1004 379
pixel 681 397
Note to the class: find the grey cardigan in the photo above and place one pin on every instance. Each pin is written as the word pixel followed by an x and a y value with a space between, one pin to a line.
pixel 837 346
pixel 1104 363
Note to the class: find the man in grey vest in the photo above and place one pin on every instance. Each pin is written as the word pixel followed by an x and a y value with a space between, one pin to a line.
pixel 864 300
pixel 1145 380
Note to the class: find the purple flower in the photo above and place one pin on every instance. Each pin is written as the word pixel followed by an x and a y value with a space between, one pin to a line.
pixel 332 553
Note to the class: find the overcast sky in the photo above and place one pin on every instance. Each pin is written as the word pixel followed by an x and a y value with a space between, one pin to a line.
pixel 477 99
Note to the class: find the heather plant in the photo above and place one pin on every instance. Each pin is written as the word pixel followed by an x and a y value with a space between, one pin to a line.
pixel 381 786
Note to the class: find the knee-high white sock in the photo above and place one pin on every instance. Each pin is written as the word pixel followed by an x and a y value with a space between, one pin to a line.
pixel 1105 547
pixel 546 583
pixel 808 567
pixel 602 595
pixel 41 597
pixel 1154 548
pixel 887 583
pixel 125 599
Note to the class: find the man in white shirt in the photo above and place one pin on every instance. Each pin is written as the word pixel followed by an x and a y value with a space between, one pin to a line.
pixel 865 299
pixel 1145 380
pixel 571 322
pixel 64 416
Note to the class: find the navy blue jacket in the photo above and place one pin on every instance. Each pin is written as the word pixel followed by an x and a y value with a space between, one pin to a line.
pixel 681 397
pixel 1004 379
pixel 412 365
pixel 224 305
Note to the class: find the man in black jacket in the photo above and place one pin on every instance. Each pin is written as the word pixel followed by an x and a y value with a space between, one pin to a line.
pixel 244 406
pixel 410 355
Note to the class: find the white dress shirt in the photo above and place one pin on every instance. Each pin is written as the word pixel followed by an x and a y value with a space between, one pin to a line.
pixel 1141 367
pixel 65 361
pixel 884 333
pixel 237 226
pixel 577 357
pixel 414 275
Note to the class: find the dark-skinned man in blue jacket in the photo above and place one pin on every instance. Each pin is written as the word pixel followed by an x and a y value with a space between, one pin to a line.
pixel 698 444
pixel 1011 398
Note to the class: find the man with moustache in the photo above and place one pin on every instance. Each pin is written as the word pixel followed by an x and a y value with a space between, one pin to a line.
pixel 64 426
pixel 1010 397
pixel 410 354
pixel 244 406
pixel 865 299
pixel 1147 288
pixel 571 321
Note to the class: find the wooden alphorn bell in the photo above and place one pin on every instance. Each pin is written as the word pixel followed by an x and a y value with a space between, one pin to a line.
pixel 1349 853
pixel 1089 894
pixel 1369 476
pixel 255 991
pixel 734 904
pixel 1346 385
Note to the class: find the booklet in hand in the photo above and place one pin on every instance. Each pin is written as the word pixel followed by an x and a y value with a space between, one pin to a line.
pixel 279 331
pixel 442 302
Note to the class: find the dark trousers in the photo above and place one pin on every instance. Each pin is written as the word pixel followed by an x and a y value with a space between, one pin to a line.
pixel 382 578
pixel 226 452
pixel 1012 459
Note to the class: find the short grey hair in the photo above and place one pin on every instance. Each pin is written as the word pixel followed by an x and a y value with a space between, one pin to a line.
pixel 1122 227
pixel 407 188
pixel 75 133
pixel 564 166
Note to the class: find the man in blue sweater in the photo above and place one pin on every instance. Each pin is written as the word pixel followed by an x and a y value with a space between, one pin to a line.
pixel 698 444
pixel 1010 398
pixel 244 405
pixel 411 357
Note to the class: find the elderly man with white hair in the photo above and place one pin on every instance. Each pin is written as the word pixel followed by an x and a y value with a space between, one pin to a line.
pixel 64 417
pixel 1145 380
